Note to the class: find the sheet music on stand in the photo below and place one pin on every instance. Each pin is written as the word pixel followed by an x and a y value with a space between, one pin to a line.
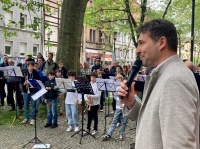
pixel 39 87
pixel 106 84
pixel 63 83
pixel 112 78
pixel 117 84
pixel 12 71
pixel 84 87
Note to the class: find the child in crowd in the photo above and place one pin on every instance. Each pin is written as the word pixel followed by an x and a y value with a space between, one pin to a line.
pixel 61 95
pixel 117 116
pixel 93 101
pixel 36 67
pixel 62 69
pixel 71 104
pixel 51 100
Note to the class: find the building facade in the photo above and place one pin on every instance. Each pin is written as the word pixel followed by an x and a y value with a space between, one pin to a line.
pixel 24 42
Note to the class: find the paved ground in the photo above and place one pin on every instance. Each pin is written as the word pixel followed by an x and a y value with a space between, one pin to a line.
pixel 15 137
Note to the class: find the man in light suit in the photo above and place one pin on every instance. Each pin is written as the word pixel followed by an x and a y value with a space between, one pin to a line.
pixel 167 117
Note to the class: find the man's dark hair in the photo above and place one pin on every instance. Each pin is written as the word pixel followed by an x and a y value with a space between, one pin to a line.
pixel 71 73
pixel 51 54
pixel 31 63
pixel 58 70
pixel 119 67
pixel 94 74
pixel 52 73
pixel 160 27
pixel 19 64
pixel 30 59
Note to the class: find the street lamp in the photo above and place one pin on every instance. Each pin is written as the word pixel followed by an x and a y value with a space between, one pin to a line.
pixel 114 37
pixel 48 37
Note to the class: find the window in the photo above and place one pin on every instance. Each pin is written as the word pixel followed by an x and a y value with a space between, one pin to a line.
pixel 35 49
pixel 94 36
pixel 23 48
pixel 118 37
pixel 124 38
pixel 117 52
pixel 23 20
pixel 8 47
pixel 8 18
pixel 35 24
pixel 106 39
pixel 100 36
pixel 90 35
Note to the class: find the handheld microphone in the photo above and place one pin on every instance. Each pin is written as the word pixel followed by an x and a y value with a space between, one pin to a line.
pixel 134 70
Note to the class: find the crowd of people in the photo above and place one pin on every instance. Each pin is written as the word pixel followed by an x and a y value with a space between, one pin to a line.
pixel 19 91
pixel 167 112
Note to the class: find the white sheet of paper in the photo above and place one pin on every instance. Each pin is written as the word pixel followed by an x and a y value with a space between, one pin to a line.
pixel 64 83
pixel 37 95
pixel 39 146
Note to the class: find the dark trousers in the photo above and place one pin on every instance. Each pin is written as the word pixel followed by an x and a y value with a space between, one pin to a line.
pixel 93 114
pixel 102 99
pixel 2 92
pixel 114 104
pixel 11 87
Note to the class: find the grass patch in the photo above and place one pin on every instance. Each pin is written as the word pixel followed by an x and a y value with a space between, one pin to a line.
pixel 8 117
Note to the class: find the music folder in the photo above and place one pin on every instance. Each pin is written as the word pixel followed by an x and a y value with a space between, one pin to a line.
pixel 37 84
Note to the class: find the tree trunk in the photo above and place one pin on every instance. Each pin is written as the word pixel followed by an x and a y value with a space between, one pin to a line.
pixel 71 25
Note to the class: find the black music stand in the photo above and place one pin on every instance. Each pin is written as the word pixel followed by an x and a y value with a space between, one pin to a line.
pixel 83 88
pixel 13 71
pixel 106 85
pixel 107 76
pixel 37 85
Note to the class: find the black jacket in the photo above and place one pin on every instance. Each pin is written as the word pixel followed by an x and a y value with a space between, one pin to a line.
pixel 113 70
pixel 64 72
pixel 35 75
pixel 4 64
pixel 197 78
pixel 52 93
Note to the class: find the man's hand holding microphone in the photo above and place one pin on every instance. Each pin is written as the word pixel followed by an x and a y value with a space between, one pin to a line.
pixel 126 91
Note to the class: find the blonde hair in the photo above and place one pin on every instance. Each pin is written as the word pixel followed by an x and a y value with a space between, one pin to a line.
pixel 119 77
